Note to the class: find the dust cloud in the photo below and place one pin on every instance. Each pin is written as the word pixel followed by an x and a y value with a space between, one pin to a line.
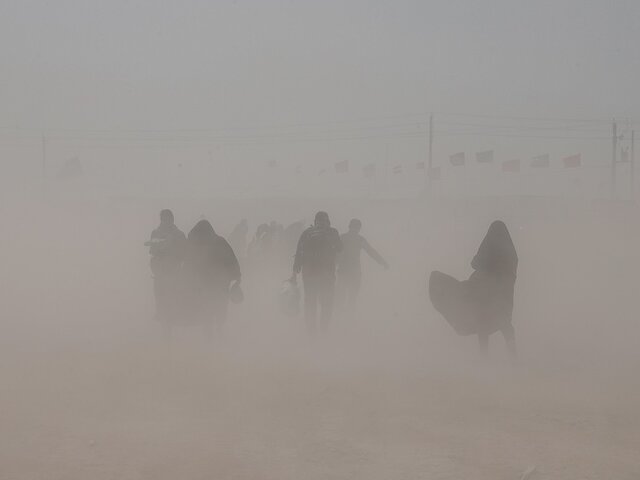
pixel 92 389
pixel 427 121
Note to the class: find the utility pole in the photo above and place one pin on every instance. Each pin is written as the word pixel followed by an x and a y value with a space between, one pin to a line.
pixel 44 157
pixel 429 167
pixel 614 147
pixel 632 168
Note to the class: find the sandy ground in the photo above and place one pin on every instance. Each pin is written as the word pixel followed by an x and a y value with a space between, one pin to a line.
pixel 140 409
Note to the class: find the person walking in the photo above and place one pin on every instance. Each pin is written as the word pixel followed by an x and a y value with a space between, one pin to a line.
pixel 315 259
pixel 349 264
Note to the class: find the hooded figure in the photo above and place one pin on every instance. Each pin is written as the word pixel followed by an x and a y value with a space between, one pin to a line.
pixel 259 243
pixel 491 285
pixel 483 304
pixel 210 268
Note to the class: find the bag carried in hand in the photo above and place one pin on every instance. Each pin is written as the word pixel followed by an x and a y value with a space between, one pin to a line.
pixel 289 298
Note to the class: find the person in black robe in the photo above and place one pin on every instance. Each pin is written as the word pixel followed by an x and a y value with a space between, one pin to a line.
pixel 491 286
pixel 211 267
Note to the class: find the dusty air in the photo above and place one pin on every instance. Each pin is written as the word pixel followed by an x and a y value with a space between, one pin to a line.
pixel 311 240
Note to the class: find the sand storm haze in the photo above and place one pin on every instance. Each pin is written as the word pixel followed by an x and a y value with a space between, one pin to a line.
pixel 427 121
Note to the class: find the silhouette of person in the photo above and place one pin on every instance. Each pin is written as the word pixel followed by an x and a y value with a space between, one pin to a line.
pixel 291 234
pixel 315 258
pixel 259 242
pixel 492 286
pixel 167 249
pixel 349 265
pixel 211 267
pixel 238 238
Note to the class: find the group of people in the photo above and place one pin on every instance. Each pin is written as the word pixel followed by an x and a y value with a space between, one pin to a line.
pixel 320 254
pixel 271 240
pixel 195 276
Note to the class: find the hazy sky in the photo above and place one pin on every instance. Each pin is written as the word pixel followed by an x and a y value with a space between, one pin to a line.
pixel 347 68
pixel 191 64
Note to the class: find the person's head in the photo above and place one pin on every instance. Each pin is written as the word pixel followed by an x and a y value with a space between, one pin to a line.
pixel 322 220
pixel 202 232
pixel 355 225
pixel 166 217
pixel 498 228
pixel 498 242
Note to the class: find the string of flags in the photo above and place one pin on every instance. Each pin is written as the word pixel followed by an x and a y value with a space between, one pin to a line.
pixel 513 165
pixel 459 159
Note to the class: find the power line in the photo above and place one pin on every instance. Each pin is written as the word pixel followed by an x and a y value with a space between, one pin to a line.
pixel 423 115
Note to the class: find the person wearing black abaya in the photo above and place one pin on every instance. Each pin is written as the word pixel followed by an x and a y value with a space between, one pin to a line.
pixel 210 267
pixel 492 286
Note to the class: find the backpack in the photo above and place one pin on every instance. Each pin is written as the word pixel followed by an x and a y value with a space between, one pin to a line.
pixel 318 247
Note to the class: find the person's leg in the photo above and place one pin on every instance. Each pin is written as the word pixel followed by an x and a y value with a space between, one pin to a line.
pixel 326 302
pixel 354 291
pixel 310 303
pixel 510 340
pixel 160 295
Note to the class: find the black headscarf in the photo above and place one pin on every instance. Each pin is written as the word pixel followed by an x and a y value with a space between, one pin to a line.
pixel 497 254
pixel 202 233
pixel 211 255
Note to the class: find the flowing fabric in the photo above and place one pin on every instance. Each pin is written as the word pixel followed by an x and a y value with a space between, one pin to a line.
pixel 482 304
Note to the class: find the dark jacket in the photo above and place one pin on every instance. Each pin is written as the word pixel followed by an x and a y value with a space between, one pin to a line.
pixel 317 250
pixel 167 249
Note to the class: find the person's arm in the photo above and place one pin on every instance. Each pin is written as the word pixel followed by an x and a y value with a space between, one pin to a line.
pixel 154 244
pixel 373 253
